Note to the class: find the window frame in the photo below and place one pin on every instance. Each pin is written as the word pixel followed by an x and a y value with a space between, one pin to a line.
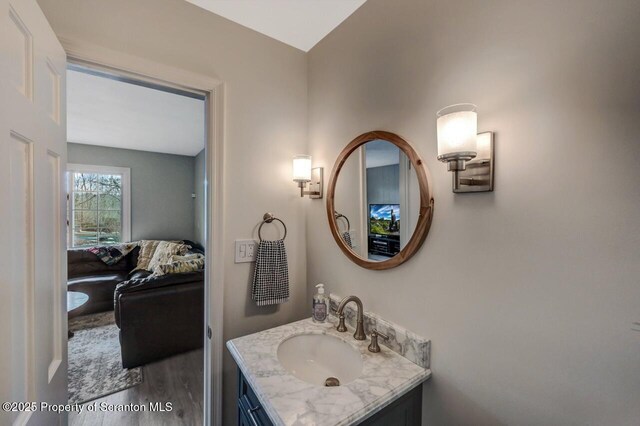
pixel 124 172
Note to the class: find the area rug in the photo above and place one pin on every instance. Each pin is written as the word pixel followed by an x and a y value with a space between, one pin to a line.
pixel 95 367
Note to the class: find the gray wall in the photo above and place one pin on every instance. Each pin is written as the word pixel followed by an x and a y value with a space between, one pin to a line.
pixel 348 201
pixel 528 293
pixel 383 185
pixel 198 224
pixel 161 188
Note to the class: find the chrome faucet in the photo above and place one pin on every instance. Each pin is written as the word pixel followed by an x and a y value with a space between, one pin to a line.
pixel 359 334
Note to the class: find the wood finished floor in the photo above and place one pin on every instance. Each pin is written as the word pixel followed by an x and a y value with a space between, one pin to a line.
pixel 178 380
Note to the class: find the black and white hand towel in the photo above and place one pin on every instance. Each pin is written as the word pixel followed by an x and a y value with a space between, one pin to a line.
pixel 346 237
pixel 271 276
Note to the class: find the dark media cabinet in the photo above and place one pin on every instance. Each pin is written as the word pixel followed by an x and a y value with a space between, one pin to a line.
pixel 384 245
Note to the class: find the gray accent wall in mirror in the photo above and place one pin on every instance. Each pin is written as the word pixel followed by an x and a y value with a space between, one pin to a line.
pixel 379 202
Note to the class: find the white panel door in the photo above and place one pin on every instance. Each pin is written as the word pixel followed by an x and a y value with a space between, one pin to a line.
pixel 33 355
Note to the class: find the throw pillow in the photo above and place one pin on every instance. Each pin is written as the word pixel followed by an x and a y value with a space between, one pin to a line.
pixel 163 252
pixel 188 256
pixel 186 264
pixel 147 249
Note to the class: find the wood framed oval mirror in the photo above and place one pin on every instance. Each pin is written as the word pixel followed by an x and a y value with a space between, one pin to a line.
pixel 379 202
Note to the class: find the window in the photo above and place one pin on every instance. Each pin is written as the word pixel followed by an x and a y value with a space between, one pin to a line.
pixel 99 210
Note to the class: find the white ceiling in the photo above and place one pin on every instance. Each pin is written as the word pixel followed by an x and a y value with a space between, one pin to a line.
pixel 381 153
pixel 108 112
pixel 299 23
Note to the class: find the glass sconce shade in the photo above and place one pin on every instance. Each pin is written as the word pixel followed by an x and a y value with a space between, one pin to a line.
pixel 457 130
pixel 302 168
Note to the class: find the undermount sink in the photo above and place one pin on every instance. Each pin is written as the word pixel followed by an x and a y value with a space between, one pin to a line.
pixel 315 358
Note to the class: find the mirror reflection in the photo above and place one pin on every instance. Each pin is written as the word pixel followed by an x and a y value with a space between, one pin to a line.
pixel 377 200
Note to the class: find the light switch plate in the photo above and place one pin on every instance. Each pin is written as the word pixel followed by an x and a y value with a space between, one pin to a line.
pixel 246 251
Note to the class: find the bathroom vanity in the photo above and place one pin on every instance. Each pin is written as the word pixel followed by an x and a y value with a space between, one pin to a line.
pixel 310 374
pixel 305 373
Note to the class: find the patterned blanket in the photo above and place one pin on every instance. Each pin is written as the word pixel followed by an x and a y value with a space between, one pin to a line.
pixel 113 254
pixel 158 257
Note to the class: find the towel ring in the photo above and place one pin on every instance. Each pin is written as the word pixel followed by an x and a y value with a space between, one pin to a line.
pixel 340 215
pixel 268 218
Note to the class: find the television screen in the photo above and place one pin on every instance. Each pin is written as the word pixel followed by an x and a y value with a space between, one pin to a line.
pixel 384 219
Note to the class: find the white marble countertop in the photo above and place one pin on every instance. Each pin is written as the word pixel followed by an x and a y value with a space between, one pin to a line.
pixel 290 401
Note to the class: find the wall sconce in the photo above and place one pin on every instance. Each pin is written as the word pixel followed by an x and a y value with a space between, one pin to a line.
pixel 468 155
pixel 303 174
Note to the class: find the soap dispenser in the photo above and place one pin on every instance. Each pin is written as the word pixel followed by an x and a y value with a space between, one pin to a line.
pixel 320 305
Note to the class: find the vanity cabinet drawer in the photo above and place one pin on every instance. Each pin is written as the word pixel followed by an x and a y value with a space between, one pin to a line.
pixel 250 411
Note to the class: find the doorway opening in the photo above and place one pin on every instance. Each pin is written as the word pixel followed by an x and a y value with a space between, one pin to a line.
pixel 137 244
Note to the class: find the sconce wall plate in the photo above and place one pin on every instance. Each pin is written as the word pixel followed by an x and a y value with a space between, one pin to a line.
pixel 478 175
pixel 315 186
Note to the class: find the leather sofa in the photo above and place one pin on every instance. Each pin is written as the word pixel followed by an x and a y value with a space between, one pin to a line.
pixel 158 316
pixel 90 275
